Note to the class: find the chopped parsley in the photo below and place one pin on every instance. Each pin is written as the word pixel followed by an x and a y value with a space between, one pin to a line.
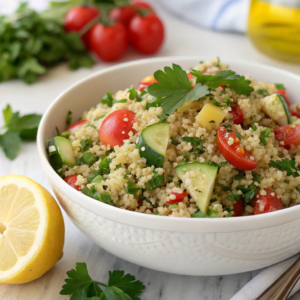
pixel 263 92
pixel 279 86
pixel 69 118
pixel 133 94
pixel 199 214
pixel 93 193
pixel 85 145
pixel 155 181
pixel 288 165
pixel 212 213
pixel 104 166
pixel 286 181
pixel 216 103
pixel 238 135
pixel 170 178
pixel 108 99
pixel 240 176
pixel 298 188
pixel 254 127
pixel 174 141
pixel 212 121
pixel 263 135
pixel 213 200
pixel 257 178
pixel 155 102
pixel 88 158
pixel 227 101
pixel 163 117
pixel 248 192
pixel 234 197
pixel 130 189
pixel 65 134
pixel 125 176
pixel 197 142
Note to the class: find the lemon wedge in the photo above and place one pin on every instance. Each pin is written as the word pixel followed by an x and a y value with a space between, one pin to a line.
pixel 31 230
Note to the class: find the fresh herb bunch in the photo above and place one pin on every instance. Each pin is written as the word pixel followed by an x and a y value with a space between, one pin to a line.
pixel 17 129
pixel 31 42
pixel 81 286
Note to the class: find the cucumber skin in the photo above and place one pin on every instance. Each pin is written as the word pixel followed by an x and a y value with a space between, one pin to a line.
pixel 286 109
pixel 152 157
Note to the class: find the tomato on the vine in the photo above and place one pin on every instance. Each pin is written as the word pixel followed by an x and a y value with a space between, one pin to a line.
pixel 116 127
pixel 109 42
pixel 123 14
pixel 146 33
pixel 229 146
pixel 78 17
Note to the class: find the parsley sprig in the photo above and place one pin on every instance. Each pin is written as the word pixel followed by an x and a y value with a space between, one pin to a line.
pixel 288 165
pixel 175 88
pixel 120 286
pixel 197 142
pixel 17 129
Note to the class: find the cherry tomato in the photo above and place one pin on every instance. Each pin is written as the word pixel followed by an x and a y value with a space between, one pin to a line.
pixel 141 4
pixel 234 153
pixel 289 134
pixel 71 129
pixel 71 180
pixel 123 14
pixel 79 16
pixel 238 208
pixel 267 203
pixel 116 127
pixel 222 85
pixel 283 92
pixel 190 76
pixel 179 198
pixel 108 42
pixel 146 82
pixel 146 33
pixel 237 115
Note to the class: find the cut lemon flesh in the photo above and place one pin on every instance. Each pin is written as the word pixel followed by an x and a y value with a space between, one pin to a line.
pixel 31 230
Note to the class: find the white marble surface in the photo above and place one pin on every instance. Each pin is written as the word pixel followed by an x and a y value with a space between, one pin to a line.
pixel 181 39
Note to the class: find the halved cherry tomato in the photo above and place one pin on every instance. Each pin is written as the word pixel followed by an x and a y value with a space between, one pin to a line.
pixel 79 16
pixel 116 127
pixel 190 76
pixel 146 82
pixel 71 129
pixel 71 180
pixel 238 208
pixel 233 153
pixel 141 4
pixel 267 203
pixel 146 33
pixel 179 198
pixel 109 42
pixel 123 14
pixel 283 92
pixel 289 134
pixel 237 115
pixel 222 85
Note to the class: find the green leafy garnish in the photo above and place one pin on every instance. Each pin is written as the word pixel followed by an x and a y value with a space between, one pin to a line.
pixel 17 129
pixel 263 135
pixel 104 166
pixel 93 193
pixel 69 118
pixel 234 197
pixel 286 181
pixel 240 176
pixel 212 213
pixel 263 92
pixel 32 42
pixel 175 88
pixel 199 214
pixel 238 83
pixel 155 102
pixel 254 127
pixel 85 145
pixel 155 181
pixel 279 86
pixel 199 149
pixel 163 117
pixel 120 286
pixel 108 99
pixel 288 165
pixel 130 189
pixel 248 192
pixel 174 141
pixel 133 94
pixel 298 188
pixel 88 158
pixel 257 178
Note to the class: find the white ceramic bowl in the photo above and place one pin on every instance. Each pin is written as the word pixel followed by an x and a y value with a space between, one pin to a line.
pixel 181 246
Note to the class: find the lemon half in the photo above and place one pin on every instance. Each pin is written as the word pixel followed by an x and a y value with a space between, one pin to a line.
pixel 31 230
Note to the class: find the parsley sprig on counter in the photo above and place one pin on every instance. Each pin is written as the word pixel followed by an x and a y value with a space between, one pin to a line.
pixel 175 88
pixel 17 129
pixel 120 286
pixel 31 42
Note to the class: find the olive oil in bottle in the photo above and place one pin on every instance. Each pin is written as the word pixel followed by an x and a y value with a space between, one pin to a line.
pixel 274 28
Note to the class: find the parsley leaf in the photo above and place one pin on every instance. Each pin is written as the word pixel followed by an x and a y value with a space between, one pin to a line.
pixel 155 102
pixel 279 86
pixel 133 94
pixel 174 141
pixel 234 197
pixel 199 149
pixel 238 83
pixel 199 214
pixel 263 92
pixel 263 135
pixel 155 181
pixel 240 176
pixel 130 189
pixel 85 145
pixel 104 166
pixel 81 286
pixel 175 88
pixel 287 165
pixel 163 117
pixel 254 127
pixel 248 192
pixel 108 99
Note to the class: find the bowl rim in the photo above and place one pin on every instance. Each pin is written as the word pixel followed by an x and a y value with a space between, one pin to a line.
pixel 152 221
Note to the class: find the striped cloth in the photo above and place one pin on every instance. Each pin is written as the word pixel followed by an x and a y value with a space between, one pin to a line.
pixel 225 15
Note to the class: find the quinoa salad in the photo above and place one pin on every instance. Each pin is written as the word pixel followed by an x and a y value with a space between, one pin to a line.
pixel 201 143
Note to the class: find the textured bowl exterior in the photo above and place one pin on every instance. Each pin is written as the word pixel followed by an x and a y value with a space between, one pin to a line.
pixel 180 246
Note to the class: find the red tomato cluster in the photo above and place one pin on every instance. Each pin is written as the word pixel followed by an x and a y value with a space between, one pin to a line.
pixel 134 24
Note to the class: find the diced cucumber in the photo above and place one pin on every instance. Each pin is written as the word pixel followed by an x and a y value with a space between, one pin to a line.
pixel 97 179
pixel 65 151
pixel 276 108
pixel 153 143
pixel 199 179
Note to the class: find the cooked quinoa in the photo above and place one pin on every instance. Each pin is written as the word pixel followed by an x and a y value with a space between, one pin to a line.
pixel 128 170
